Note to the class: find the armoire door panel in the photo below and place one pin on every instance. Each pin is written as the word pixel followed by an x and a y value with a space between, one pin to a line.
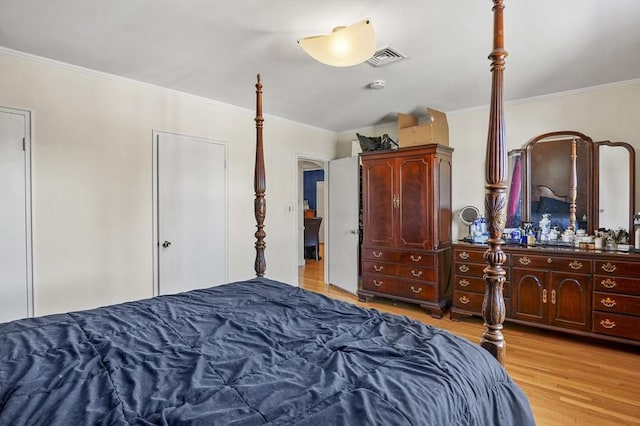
pixel 415 211
pixel 444 197
pixel 378 181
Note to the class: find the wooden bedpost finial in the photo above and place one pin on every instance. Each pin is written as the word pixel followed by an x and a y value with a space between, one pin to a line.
pixel 493 308
pixel 260 204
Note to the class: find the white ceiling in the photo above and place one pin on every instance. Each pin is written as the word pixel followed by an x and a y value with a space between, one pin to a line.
pixel 214 49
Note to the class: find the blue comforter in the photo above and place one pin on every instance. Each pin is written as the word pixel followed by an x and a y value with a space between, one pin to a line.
pixel 248 353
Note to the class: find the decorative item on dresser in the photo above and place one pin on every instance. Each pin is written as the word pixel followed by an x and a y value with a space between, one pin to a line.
pixel 585 292
pixel 406 248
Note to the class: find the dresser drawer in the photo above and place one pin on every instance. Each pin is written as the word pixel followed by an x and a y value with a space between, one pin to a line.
pixel 399 270
pixel 472 302
pixel 616 325
pixel 560 264
pixel 396 256
pixel 476 285
pixel 397 287
pixel 616 284
pixel 613 267
pixel 470 269
pixel 617 303
pixel 471 256
pixel 468 301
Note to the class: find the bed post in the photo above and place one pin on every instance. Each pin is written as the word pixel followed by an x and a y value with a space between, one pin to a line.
pixel 573 187
pixel 493 308
pixel 260 204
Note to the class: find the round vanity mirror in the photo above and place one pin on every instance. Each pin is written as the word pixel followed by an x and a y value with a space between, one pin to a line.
pixel 468 215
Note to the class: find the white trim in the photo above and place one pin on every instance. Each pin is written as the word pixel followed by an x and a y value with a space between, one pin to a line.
pixel 154 196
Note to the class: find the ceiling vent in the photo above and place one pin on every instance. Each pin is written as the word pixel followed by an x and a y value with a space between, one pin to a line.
pixel 385 56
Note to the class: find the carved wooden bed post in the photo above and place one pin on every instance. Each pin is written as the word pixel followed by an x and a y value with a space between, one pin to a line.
pixel 493 308
pixel 260 204
pixel 573 186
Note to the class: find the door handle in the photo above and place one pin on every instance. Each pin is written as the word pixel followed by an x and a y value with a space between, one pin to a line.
pixel 166 244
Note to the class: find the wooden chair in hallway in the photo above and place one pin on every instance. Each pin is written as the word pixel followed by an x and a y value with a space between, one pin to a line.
pixel 312 237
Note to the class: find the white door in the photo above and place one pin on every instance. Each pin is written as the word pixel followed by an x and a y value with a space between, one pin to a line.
pixel 191 213
pixel 15 215
pixel 343 247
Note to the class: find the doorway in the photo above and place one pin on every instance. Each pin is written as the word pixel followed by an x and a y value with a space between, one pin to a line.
pixel 16 269
pixel 190 213
pixel 312 173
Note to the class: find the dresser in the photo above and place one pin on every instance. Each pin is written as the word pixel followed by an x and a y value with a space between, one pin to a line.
pixel 585 292
pixel 406 250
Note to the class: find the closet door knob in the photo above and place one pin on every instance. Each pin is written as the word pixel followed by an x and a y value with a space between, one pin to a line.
pixel 166 244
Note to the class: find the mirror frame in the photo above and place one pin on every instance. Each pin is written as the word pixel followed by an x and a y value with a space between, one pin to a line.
pixel 525 152
pixel 632 180
pixel 593 205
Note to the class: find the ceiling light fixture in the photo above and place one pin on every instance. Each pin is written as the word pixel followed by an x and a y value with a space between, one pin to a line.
pixel 344 47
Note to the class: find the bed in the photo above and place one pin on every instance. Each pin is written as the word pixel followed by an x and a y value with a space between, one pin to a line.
pixel 256 352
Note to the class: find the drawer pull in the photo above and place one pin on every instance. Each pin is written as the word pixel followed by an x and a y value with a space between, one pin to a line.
pixel 575 265
pixel 609 267
pixel 607 323
pixel 608 302
pixel 416 274
pixel 544 295
pixel 464 255
pixel 524 260
pixel 549 260
pixel 377 253
pixel 378 268
pixel 418 290
pixel 463 268
pixel 416 258
pixel 608 283
pixel 463 283
pixel 464 300
pixel 377 283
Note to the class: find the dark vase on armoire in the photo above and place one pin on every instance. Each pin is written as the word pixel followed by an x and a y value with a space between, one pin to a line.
pixel 406 250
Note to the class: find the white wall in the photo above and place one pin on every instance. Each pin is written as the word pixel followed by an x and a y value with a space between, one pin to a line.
pixel 91 165
pixel 603 113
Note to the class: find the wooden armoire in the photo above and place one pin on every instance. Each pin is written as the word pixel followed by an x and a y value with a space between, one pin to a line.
pixel 406 249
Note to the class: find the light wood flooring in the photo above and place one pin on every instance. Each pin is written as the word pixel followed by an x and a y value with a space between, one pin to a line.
pixel 569 380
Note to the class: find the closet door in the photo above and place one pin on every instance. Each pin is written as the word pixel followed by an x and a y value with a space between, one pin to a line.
pixel 191 213
pixel 15 216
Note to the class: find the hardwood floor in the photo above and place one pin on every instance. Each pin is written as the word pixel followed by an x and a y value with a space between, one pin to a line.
pixel 569 380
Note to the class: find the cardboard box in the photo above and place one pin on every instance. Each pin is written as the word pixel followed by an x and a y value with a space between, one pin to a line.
pixel 411 132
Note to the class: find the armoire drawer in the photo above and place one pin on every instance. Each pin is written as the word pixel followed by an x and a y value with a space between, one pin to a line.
pixel 398 256
pixel 397 287
pixel 400 271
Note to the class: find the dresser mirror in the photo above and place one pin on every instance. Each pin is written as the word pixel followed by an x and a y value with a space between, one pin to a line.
pixel 578 183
